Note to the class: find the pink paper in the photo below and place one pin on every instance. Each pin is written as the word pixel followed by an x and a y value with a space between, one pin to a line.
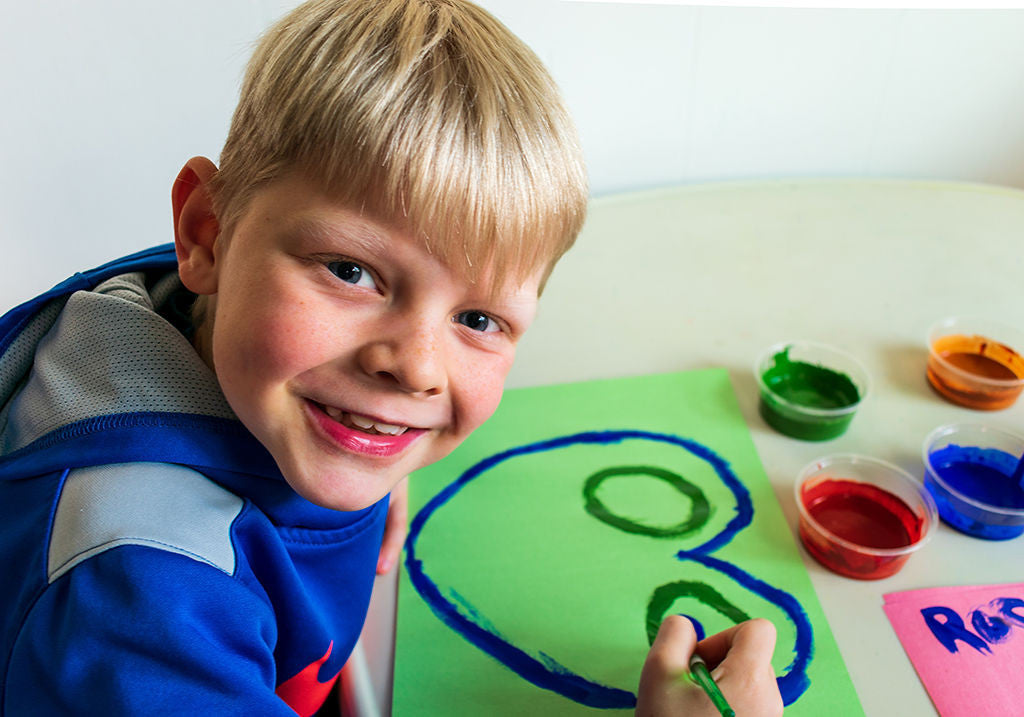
pixel 967 645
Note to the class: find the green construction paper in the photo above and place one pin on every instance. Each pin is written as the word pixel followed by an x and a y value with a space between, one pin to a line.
pixel 517 548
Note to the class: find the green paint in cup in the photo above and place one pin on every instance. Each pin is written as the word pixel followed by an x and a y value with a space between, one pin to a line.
pixel 808 390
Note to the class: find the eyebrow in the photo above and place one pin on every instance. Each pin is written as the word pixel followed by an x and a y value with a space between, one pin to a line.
pixel 353 229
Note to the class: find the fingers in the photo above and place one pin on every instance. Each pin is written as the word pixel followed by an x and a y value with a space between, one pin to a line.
pixel 395 527
pixel 671 650
pixel 744 671
pixel 662 690
pixel 751 642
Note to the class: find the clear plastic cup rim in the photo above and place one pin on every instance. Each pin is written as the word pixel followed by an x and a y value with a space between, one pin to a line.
pixel 935 332
pixel 863 385
pixel 973 502
pixel 931 510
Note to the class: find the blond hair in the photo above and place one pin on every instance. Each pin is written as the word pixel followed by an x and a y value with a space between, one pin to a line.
pixel 429 115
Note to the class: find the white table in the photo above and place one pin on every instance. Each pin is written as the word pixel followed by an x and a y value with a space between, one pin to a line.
pixel 710 275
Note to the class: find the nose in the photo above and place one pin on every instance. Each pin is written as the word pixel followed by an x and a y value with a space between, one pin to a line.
pixel 409 357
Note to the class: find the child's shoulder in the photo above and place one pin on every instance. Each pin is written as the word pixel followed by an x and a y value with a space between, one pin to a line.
pixel 105 507
pixel 158 258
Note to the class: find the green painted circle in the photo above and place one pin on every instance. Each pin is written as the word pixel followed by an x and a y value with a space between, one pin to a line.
pixel 699 512
pixel 665 596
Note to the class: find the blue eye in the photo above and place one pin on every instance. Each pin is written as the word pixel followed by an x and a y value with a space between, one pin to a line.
pixel 478 321
pixel 352 273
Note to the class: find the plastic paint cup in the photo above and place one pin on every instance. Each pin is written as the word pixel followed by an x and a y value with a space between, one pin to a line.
pixel 976 363
pixel 969 469
pixel 809 390
pixel 862 517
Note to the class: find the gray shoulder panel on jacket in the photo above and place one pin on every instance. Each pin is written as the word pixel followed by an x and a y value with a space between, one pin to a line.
pixel 160 505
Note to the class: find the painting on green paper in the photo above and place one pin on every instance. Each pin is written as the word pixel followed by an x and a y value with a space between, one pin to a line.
pixel 543 553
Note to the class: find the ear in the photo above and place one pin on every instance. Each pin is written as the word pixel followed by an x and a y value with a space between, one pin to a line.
pixel 195 226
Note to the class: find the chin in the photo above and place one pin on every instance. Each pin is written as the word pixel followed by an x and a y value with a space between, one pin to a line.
pixel 321 492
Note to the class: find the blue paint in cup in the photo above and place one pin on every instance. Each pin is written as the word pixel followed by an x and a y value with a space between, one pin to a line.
pixel 970 471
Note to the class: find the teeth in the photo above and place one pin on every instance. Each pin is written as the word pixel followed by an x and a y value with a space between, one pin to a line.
pixel 388 428
pixel 362 422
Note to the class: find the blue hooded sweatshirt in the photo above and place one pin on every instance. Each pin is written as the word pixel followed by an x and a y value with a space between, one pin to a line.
pixel 154 560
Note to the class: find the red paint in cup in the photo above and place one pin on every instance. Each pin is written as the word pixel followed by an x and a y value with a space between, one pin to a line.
pixel 862 517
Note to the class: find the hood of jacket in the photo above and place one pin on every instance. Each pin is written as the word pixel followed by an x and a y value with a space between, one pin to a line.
pixel 92 374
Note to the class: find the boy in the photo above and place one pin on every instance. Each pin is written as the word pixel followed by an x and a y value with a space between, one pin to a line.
pixel 194 490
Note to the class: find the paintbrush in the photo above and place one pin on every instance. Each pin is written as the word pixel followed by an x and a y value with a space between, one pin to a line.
pixel 699 671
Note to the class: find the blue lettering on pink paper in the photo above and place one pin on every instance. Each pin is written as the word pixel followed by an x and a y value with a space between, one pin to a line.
pixel 993 624
pixel 951 628
pixel 1007 607
pixel 991 628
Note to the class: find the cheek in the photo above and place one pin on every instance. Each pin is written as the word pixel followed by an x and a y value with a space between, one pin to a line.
pixel 263 344
pixel 482 389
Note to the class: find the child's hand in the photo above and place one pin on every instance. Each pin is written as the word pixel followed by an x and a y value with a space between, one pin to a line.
pixel 740 662
pixel 395 527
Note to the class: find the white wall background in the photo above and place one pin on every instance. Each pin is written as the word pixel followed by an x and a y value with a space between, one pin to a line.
pixel 101 102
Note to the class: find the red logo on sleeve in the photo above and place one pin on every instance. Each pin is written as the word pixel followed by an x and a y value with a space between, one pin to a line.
pixel 304 693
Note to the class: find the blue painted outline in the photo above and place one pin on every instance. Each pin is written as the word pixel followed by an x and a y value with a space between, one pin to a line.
pixel 744 506
pixel 795 681
pixel 545 672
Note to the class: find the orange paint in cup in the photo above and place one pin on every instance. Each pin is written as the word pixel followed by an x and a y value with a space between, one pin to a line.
pixel 974 368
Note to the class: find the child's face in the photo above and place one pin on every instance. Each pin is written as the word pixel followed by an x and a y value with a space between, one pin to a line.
pixel 349 351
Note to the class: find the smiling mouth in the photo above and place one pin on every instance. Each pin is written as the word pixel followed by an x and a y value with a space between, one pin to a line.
pixel 362 423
